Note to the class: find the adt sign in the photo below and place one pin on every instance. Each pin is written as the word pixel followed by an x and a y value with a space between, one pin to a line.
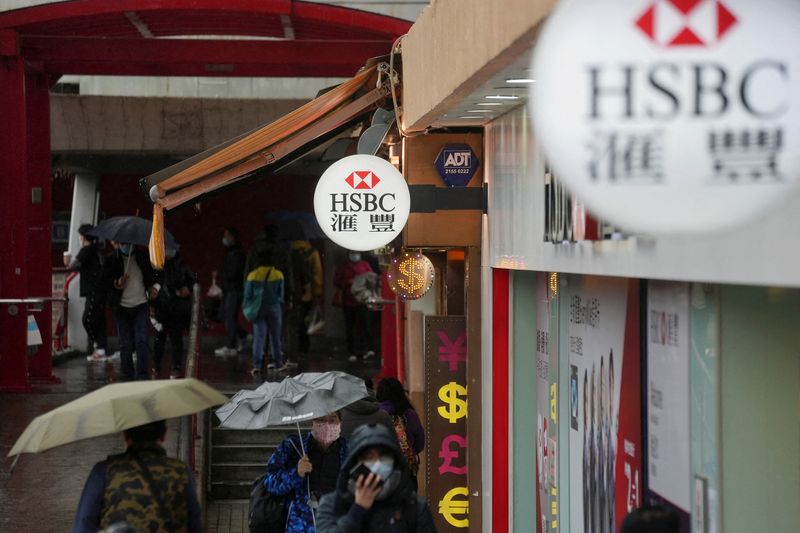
pixel 457 163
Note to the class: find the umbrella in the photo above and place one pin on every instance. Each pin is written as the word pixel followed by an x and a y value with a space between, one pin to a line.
pixel 295 399
pixel 114 408
pixel 296 225
pixel 134 230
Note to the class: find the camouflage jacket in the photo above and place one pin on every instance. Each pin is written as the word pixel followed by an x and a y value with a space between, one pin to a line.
pixel 117 491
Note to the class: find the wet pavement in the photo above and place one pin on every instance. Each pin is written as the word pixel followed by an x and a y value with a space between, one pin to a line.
pixel 43 492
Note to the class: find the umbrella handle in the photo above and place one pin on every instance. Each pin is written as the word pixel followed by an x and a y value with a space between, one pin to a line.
pixel 302 447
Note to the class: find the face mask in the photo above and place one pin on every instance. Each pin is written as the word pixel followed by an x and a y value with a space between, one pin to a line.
pixel 226 242
pixel 382 467
pixel 355 258
pixel 125 249
pixel 325 432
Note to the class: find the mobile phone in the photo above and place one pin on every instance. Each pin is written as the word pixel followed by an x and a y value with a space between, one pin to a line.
pixel 360 470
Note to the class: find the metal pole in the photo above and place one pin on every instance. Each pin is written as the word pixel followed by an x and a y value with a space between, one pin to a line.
pixel 187 425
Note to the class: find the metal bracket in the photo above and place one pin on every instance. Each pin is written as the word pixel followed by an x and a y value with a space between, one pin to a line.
pixel 430 198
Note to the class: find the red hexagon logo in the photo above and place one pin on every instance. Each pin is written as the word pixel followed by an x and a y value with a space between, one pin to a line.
pixel 362 179
pixel 671 23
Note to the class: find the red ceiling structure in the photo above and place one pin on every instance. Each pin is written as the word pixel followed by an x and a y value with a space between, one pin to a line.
pixel 231 38
pixel 148 37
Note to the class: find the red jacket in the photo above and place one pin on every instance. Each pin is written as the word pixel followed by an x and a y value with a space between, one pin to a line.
pixel 343 280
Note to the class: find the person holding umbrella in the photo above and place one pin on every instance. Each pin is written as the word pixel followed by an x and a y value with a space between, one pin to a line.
pixel 142 488
pixel 132 282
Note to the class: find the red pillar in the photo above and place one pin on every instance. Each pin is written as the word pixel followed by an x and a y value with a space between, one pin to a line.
pixel 39 255
pixel 500 399
pixel 14 201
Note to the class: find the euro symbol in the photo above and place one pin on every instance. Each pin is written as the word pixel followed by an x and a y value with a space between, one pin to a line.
pixel 447 454
pixel 449 509
pixel 456 407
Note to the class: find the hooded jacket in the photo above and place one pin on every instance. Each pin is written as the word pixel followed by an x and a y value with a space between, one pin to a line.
pixel 401 511
pixel 366 411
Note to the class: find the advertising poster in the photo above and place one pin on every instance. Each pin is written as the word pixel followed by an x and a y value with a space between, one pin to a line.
pixel 605 373
pixel 668 421
pixel 546 405
pixel 446 417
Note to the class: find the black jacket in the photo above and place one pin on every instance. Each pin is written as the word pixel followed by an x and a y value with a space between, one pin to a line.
pixel 402 511
pixel 177 275
pixel 233 269
pixel 90 266
pixel 114 268
pixel 366 411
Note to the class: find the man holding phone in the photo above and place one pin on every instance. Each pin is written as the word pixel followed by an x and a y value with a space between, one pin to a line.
pixel 375 490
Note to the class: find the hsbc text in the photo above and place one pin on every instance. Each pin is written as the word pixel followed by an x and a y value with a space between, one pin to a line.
pixel 362 202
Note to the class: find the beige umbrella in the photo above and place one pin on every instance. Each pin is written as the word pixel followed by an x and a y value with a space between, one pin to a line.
pixel 115 408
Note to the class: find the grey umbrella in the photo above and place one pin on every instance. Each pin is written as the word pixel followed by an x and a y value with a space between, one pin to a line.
pixel 295 399
pixel 134 230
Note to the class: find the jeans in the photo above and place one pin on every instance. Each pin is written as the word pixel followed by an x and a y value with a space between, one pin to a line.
pixel 230 315
pixel 132 328
pixel 268 327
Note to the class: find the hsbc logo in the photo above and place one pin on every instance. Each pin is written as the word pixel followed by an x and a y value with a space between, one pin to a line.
pixel 672 23
pixel 361 180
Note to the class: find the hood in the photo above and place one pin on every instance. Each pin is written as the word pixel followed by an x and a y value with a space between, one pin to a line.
pixel 363 438
pixel 366 406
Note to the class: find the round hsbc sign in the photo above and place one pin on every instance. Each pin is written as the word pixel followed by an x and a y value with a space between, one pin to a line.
pixel 671 116
pixel 362 202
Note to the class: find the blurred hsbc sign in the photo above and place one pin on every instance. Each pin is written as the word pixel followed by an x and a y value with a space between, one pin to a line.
pixel 362 202
pixel 671 116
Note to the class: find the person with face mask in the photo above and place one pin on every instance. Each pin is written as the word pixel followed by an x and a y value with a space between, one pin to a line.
pixel 132 282
pixel 173 312
pixel 89 264
pixel 374 491
pixel 305 477
pixel 232 293
pixel 356 319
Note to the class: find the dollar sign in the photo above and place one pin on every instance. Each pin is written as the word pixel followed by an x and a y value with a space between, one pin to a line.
pixel 413 280
pixel 448 508
pixel 456 407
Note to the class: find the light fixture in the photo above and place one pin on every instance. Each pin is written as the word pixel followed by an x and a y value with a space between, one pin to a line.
pixel 410 275
pixel 502 97
pixel 520 80
pixel 480 111
pixel 490 103
pixel 468 117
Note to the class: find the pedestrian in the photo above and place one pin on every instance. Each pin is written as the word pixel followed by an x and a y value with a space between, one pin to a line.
pixel 173 312
pixel 375 490
pixel 365 411
pixel 406 422
pixel 307 294
pixel 233 270
pixel 357 331
pixel 651 519
pixel 304 478
pixel 132 282
pixel 142 488
pixel 89 263
pixel 263 306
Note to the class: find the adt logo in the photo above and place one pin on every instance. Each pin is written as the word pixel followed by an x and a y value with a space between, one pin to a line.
pixel 456 164
pixel 362 180
pixel 686 22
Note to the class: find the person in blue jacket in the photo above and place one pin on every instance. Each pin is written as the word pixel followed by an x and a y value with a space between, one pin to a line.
pixel 306 472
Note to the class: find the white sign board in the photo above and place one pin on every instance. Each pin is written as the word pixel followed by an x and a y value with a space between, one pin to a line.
pixel 668 418
pixel 362 202
pixel 671 116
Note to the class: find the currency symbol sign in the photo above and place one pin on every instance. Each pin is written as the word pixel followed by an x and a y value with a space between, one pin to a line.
pixel 413 280
pixel 452 352
pixel 450 509
pixel 456 408
pixel 447 455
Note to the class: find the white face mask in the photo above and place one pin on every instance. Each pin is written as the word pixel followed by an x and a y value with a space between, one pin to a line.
pixel 382 467
pixel 326 432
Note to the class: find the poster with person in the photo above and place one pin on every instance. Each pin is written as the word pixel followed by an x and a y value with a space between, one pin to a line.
pixel 602 321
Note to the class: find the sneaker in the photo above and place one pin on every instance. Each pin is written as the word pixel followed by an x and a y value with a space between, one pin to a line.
pixel 225 351
pixel 95 357
pixel 271 366
pixel 369 355
pixel 256 372
pixel 353 358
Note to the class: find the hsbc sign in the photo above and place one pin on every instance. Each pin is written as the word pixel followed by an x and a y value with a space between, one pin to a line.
pixel 671 116
pixel 362 202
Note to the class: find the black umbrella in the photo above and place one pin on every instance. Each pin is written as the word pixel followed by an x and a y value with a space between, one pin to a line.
pixel 133 230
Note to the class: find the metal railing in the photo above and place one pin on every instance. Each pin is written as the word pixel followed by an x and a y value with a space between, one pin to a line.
pixel 188 424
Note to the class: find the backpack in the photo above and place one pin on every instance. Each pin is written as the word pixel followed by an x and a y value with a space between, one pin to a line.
pixel 267 512
pixel 399 423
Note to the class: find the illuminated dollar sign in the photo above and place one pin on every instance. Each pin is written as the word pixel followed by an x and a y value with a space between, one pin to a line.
pixel 449 509
pixel 456 408
pixel 413 280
